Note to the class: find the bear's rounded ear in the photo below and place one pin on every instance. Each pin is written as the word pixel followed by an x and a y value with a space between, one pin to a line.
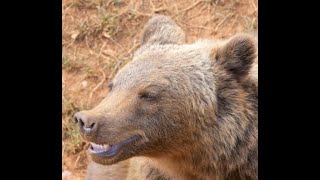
pixel 162 30
pixel 237 55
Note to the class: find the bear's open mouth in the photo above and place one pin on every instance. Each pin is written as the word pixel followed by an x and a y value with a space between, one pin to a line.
pixel 107 150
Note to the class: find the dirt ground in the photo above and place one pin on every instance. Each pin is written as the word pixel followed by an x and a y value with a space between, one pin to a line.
pixel 99 37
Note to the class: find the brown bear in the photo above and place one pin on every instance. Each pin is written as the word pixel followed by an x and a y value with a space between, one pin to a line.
pixel 178 111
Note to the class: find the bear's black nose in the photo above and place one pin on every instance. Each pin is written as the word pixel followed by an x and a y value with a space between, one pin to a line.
pixel 86 122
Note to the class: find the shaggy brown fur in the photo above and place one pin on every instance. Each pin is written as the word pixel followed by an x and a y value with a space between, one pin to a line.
pixel 194 108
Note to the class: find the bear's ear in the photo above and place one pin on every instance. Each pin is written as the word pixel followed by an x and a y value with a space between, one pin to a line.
pixel 162 30
pixel 237 55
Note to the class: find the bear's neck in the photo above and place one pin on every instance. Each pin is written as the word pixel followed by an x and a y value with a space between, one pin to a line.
pixel 236 135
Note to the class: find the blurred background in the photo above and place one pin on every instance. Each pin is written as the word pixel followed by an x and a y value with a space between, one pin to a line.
pixel 100 36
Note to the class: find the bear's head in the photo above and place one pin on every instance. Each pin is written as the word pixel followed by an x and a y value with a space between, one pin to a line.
pixel 167 98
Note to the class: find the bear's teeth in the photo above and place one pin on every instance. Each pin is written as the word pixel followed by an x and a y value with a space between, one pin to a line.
pixel 100 146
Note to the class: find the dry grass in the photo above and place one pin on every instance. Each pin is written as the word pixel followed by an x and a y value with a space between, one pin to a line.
pixel 99 37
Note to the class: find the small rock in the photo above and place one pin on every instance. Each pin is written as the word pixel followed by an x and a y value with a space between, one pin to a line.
pixel 75 34
pixel 84 84
pixel 66 175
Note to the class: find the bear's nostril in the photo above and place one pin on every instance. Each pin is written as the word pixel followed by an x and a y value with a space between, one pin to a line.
pixel 81 122
pixel 92 125
pixel 75 120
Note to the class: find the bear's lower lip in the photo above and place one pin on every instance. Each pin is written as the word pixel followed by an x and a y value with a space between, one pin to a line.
pixel 111 150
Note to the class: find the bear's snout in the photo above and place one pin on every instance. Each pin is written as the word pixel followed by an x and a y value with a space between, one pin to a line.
pixel 87 122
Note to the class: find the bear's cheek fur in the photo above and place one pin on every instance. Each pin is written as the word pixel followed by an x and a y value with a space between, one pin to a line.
pixel 161 122
pixel 165 126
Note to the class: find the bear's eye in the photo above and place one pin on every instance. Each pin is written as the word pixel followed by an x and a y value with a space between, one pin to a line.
pixel 110 86
pixel 147 96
